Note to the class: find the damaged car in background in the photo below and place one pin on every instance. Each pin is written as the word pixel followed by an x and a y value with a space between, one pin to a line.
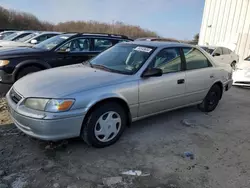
pixel 98 99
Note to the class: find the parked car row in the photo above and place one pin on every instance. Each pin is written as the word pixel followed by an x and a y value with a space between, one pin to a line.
pixel 25 38
pixel 114 82
pixel 60 50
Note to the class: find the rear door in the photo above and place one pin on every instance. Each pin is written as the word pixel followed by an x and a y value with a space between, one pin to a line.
pixel 199 75
pixel 101 44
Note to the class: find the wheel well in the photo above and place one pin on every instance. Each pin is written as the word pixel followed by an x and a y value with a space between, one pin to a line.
pixel 116 100
pixel 221 88
pixel 28 65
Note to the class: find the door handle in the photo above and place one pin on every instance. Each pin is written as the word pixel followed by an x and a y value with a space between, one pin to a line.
pixel 211 76
pixel 181 81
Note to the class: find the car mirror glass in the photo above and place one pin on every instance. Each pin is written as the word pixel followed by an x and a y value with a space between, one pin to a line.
pixel 216 54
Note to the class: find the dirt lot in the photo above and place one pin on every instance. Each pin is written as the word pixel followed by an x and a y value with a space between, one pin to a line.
pixel 219 141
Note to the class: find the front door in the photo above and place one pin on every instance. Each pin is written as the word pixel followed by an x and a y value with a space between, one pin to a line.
pixel 73 52
pixel 199 75
pixel 157 94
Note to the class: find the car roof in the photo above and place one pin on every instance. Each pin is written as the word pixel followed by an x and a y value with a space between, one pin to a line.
pixel 210 47
pixel 160 44
pixel 49 32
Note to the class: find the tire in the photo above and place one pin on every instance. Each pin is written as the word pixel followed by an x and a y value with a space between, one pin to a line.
pixel 211 100
pixel 27 70
pixel 92 130
pixel 233 65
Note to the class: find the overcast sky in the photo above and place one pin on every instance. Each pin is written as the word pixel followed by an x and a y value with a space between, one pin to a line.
pixel 180 19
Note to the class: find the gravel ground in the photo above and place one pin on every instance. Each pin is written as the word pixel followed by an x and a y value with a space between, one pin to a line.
pixel 219 142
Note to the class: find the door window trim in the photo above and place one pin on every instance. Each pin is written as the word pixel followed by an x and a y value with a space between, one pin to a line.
pixel 210 65
pixel 182 62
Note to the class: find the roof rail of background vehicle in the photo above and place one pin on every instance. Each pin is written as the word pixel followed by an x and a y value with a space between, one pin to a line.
pixel 160 43
pixel 107 34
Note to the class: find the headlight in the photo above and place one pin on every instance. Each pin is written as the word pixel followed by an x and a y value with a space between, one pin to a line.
pixel 4 62
pixel 49 105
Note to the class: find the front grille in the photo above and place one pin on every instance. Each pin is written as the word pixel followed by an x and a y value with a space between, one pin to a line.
pixel 15 96
pixel 242 82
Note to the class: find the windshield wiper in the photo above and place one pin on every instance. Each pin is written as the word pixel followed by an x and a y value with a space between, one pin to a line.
pixel 102 67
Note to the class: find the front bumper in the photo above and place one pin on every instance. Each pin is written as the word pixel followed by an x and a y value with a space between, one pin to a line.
pixel 58 128
pixel 6 78
pixel 241 78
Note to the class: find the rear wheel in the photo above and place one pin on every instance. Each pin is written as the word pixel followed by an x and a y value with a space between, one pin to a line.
pixel 104 125
pixel 27 70
pixel 211 100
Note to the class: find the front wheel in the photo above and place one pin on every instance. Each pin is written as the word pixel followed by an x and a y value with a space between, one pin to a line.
pixel 211 100
pixel 104 125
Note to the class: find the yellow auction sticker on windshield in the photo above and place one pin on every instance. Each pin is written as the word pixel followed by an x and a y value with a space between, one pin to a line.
pixel 143 49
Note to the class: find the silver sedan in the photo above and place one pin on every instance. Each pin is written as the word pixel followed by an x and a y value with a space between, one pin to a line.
pixel 96 100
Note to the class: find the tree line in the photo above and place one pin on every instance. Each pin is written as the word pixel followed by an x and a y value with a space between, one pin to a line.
pixel 10 19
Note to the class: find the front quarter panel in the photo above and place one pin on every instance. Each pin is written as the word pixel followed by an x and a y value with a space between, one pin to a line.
pixel 127 92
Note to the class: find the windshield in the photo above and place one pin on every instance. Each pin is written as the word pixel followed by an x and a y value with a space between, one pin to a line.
pixel 52 42
pixel 248 58
pixel 10 37
pixel 122 58
pixel 209 50
pixel 27 37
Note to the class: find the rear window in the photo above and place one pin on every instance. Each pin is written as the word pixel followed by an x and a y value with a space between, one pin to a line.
pixel 208 50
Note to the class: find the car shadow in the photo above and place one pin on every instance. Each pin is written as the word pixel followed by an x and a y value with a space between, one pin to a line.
pixel 4 88
pixel 165 122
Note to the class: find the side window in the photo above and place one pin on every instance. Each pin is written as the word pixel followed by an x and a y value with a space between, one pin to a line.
pixel 225 51
pixel 41 38
pixel 76 45
pixel 21 36
pixel 218 51
pixel 123 41
pixel 44 37
pixel 168 60
pixel 102 44
pixel 195 59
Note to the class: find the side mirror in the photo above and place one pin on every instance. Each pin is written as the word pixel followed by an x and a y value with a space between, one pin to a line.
pixel 64 50
pixel 152 72
pixel 33 41
pixel 216 54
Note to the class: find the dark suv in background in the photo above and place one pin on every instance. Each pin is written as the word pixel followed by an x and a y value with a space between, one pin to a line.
pixel 61 50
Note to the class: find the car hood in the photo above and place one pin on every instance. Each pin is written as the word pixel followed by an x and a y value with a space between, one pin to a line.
pixel 245 65
pixel 63 81
pixel 18 51
pixel 13 44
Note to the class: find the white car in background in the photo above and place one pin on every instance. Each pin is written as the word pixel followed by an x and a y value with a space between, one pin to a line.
pixel 222 54
pixel 241 75
pixel 29 40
